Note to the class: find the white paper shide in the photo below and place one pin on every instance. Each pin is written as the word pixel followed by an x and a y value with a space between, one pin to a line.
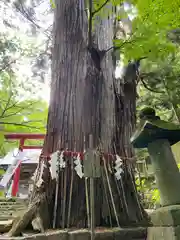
pixel 78 167
pixel 118 167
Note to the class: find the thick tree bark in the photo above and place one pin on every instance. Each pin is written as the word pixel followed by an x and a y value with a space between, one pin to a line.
pixel 84 101
pixel 119 114
pixel 125 125
pixel 66 122
pixel 74 110
pixel 104 36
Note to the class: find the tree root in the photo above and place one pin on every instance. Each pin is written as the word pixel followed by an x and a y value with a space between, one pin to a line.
pixel 31 215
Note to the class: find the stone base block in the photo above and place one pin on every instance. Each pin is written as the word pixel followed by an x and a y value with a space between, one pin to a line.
pixel 84 234
pixel 166 224
pixel 166 216
pixel 163 233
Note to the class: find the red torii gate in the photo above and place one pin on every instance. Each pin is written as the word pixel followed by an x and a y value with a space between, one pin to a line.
pixel 22 137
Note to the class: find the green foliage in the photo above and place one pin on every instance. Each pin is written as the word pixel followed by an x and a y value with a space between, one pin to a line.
pixel 149 192
pixel 162 80
pixel 52 4
pixel 153 21
pixel 20 116
pixel 151 26
pixel 1 172
pixel 16 109
pixel 20 109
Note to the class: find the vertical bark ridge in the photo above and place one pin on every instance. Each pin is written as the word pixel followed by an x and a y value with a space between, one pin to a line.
pixel 65 123
pixel 104 31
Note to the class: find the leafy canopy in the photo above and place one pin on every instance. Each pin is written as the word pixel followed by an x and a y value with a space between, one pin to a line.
pixel 152 21
pixel 21 109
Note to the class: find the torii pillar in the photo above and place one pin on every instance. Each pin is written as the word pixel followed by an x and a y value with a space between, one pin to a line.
pixel 22 137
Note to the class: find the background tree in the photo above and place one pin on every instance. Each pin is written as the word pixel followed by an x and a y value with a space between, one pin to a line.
pixel 161 81
pixel 23 75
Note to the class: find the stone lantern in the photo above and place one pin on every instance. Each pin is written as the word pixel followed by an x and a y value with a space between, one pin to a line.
pixel 157 136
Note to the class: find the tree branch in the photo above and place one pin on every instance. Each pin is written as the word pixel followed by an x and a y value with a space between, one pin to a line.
pixel 7 105
pixel 19 111
pixel 148 88
pixel 8 101
pixel 99 9
pixel 21 9
pixel 90 25
pixel 116 48
pixel 20 125
pixel 3 67
pixel 120 46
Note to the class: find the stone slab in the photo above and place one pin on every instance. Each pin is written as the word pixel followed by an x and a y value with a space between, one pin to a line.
pixel 79 235
pixel 54 235
pixel 130 233
pixel 166 216
pixel 105 235
pixel 84 234
pixel 5 226
pixel 163 233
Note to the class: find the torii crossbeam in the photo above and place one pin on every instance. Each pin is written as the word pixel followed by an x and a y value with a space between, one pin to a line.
pixel 22 137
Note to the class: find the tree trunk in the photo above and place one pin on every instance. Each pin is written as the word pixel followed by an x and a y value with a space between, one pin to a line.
pixel 83 101
pixel 74 110
pixel 66 122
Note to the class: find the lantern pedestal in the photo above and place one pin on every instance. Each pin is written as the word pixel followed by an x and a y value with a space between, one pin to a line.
pixel 166 172
pixel 158 136
pixel 166 224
